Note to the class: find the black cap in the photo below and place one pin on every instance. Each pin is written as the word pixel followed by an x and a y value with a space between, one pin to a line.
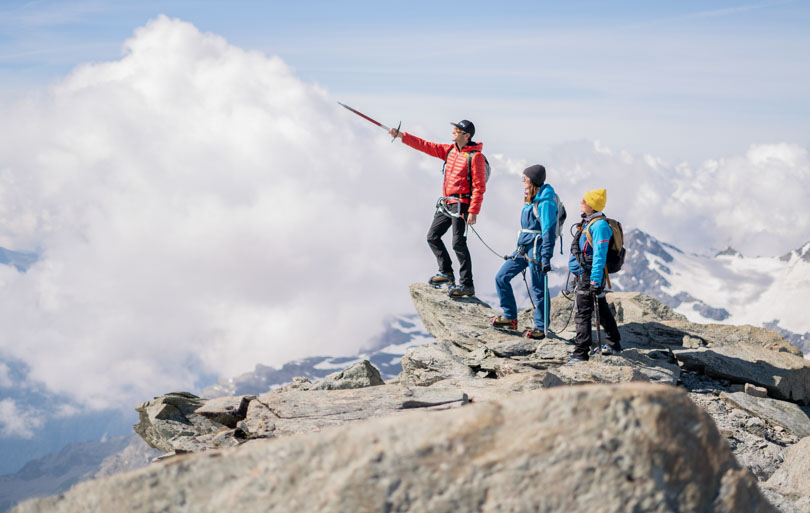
pixel 536 173
pixel 465 125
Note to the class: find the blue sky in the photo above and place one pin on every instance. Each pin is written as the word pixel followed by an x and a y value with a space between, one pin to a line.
pixel 679 80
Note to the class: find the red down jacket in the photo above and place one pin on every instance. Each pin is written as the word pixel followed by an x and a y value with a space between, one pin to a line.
pixel 455 172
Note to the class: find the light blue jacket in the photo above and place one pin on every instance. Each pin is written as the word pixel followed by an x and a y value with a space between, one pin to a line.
pixel 546 225
pixel 600 234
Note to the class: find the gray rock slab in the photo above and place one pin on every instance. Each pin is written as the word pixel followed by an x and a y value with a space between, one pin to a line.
pixel 286 413
pixel 226 410
pixel 572 449
pixel 783 413
pixel 745 335
pixel 785 375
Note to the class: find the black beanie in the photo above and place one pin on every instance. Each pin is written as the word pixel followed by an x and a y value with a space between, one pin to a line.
pixel 536 173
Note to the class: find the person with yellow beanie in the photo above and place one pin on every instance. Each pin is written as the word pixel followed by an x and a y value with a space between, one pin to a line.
pixel 587 262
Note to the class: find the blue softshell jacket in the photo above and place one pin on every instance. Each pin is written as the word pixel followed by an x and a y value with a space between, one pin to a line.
pixel 547 224
pixel 600 234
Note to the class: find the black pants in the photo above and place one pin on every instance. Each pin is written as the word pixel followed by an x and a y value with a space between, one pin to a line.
pixel 441 223
pixel 583 320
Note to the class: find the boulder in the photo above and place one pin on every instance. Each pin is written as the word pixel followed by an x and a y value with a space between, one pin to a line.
pixel 636 447
pixel 360 375
pixel 169 422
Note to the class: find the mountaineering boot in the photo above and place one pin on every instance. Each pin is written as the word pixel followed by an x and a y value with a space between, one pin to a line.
pixel 502 322
pixel 440 279
pixel 461 291
pixel 610 351
pixel 535 334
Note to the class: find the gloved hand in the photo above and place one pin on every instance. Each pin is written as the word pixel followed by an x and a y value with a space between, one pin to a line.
pixel 545 267
pixel 596 290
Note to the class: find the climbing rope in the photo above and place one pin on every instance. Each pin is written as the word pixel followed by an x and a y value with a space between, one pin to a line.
pixel 441 206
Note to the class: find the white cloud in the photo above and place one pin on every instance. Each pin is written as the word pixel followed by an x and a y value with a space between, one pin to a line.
pixel 199 210
pixel 752 202
pixel 5 376
pixel 17 422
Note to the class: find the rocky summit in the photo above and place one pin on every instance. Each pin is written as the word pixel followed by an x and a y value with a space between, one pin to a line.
pixel 689 417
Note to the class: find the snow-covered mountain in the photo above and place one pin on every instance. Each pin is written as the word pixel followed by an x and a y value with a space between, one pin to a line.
pixel 726 287
pixel 384 352
pixel 57 472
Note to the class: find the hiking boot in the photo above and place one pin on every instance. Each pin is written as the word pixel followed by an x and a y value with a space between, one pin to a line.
pixel 535 334
pixel 440 279
pixel 502 322
pixel 461 291
pixel 610 351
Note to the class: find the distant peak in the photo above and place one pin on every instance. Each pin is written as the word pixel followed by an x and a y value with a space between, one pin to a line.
pixel 729 251
pixel 802 253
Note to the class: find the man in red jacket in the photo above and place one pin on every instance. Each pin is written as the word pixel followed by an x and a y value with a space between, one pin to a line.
pixel 463 190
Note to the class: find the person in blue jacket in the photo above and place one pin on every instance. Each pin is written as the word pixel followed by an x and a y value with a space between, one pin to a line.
pixel 535 246
pixel 587 263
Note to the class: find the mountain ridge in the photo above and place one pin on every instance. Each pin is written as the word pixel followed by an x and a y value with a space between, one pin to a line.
pixel 742 391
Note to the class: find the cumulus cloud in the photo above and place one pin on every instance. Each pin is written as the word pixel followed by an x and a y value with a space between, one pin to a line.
pixel 199 209
pixel 751 202
pixel 16 421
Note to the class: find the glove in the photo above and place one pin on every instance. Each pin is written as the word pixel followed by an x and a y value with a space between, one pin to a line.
pixel 596 290
pixel 545 267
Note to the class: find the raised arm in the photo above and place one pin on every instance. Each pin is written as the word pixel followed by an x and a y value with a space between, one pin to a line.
pixel 433 149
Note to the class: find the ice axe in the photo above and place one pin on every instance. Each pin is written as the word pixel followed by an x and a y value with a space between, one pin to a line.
pixel 371 120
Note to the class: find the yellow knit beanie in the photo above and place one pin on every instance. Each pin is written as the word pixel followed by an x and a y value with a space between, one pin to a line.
pixel 596 199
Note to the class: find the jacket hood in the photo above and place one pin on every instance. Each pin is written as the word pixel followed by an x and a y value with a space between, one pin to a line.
pixel 473 147
pixel 546 192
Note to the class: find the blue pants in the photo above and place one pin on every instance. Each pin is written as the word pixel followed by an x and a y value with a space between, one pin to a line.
pixel 503 279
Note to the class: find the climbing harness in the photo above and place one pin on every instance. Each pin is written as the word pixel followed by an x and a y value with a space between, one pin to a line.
pixel 441 206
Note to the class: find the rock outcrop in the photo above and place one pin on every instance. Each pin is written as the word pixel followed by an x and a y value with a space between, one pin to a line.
pixel 571 449
pixel 665 426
